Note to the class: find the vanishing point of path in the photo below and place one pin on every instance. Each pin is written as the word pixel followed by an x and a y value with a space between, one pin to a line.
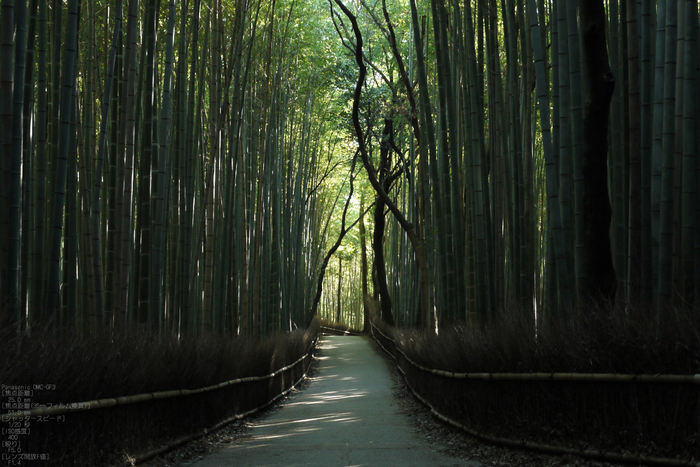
pixel 347 416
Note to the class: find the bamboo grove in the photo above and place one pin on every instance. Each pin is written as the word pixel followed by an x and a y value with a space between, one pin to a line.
pixel 182 166
pixel 168 157
pixel 496 123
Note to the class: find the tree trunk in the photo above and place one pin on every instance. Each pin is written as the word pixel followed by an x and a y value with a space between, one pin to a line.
pixel 417 243
pixel 340 289
pixel 364 276
pixel 601 282
pixel 333 249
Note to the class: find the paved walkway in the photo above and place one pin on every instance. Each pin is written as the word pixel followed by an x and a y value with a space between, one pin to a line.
pixel 347 416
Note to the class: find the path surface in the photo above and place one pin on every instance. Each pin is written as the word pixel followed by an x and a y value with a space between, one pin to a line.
pixel 347 416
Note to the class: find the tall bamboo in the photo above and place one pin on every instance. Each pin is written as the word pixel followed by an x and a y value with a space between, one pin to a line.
pixel 647 115
pixel 690 115
pixel 553 209
pixel 667 169
pixel 61 172
pixel 576 108
pixel 97 178
pixel 635 189
pixel 7 155
pixel 565 156
pixel 657 147
pixel 15 187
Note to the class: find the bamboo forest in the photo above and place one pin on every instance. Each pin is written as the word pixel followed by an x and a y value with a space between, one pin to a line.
pixel 239 166
pixel 208 207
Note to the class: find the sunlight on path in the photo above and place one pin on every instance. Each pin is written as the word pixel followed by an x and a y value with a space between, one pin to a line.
pixel 346 417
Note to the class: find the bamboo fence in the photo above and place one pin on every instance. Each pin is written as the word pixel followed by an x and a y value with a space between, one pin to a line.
pixel 547 448
pixel 63 408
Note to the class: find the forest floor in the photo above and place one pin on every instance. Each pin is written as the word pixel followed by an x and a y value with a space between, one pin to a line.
pixel 448 446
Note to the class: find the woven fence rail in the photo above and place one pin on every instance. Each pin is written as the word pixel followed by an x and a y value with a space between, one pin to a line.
pixel 590 377
pixel 496 406
pixel 103 431
pixel 339 331
pixel 62 408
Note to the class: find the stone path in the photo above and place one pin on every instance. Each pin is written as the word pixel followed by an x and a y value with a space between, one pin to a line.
pixel 347 416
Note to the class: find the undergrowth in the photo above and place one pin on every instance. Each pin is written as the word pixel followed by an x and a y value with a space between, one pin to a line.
pixel 106 364
pixel 659 419
pixel 616 342
pixel 111 364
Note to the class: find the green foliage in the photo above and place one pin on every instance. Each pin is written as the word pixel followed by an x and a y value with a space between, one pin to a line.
pixel 255 153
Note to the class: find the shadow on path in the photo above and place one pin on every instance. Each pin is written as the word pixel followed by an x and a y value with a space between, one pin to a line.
pixel 346 417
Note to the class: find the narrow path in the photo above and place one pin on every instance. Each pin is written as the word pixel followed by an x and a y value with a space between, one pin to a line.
pixel 346 417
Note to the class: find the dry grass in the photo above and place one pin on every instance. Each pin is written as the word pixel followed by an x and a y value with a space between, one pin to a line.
pixel 595 343
pixel 652 419
pixel 105 365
